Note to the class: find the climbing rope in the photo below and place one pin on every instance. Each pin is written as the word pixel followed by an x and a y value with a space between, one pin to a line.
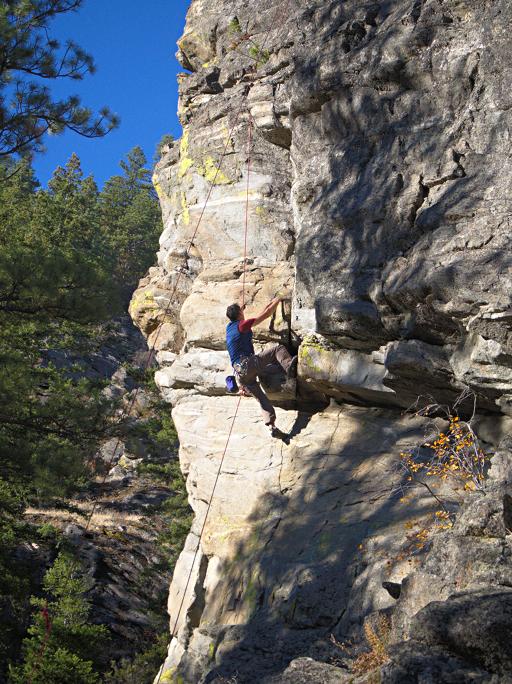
pixel 249 150
pixel 203 526
pixel 127 410
pixel 219 470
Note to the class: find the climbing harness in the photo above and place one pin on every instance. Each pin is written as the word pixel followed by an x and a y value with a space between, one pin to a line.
pixel 241 367
pixel 249 155
pixel 150 356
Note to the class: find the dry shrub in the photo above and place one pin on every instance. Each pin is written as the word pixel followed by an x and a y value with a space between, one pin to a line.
pixel 443 462
pixel 454 455
pixel 378 637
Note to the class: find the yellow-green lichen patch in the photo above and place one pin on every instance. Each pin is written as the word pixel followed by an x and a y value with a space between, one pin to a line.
pixel 185 161
pixel 141 300
pixel 314 353
pixel 242 194
pixel 317 342
pixel 211 651
pixel 212 62
pixel 250 597
pixel 124 462
pixel 168 677
pixel 324 542
pixel 306 359
pixel 185 210
pixel 212 172
pixel 159 190
pixel 185 165
pixel 263 213
pixel 184 143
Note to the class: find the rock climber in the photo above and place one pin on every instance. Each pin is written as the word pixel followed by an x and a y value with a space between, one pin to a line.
pixel 248 365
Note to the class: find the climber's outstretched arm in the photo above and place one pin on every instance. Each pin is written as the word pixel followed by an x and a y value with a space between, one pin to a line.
pixel 267 311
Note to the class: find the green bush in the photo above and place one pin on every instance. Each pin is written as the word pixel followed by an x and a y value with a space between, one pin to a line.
pixel 48 531
pixel 72 649
pixel 142 669
pixel 165 140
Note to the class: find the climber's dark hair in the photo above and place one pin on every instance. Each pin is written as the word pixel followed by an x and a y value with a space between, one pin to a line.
pixel 233 311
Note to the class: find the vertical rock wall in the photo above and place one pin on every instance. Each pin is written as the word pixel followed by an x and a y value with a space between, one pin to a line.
pixel 378 199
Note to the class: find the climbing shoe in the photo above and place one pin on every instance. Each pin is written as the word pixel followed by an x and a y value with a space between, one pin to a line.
pixel 292 369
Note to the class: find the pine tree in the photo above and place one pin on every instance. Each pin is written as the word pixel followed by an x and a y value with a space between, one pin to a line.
pixel 53 252
pixel 130 214
pixel 60 250
pixel 54 285
pixel 62 646
pixel 29 57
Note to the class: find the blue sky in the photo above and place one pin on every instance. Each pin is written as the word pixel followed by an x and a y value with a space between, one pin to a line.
pixel 133 44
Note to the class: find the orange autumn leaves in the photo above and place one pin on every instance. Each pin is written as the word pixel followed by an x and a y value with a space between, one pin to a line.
pixel 454 454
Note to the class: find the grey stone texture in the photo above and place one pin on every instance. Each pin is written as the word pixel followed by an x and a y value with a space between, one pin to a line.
pixel 379 203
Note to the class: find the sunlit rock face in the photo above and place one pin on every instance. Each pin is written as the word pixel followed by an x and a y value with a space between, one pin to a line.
pixel 365 146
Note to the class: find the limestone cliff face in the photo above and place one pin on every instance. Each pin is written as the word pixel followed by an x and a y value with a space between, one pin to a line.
pixel 379 199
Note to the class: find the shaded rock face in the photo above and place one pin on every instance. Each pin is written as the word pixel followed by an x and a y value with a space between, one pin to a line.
pixel 401 198
pixel 454 611
pixel 369 143
pixel 284 560
pixel 378 190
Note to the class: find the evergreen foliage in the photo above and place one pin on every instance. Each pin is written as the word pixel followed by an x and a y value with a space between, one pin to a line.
pixel 13 583
pixel 142 669
pixel 30 57
pixel 130 216
pixel 71 255
pixel 243 38
pixel 165 141
pixel 177 514
pixel 69 651
pixel 54 287
pixel 175 510
pixel 65 269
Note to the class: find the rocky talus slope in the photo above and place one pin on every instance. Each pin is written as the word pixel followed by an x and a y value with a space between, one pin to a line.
pixel 379 201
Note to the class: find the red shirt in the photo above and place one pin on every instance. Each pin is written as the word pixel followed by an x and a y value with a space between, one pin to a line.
pixel 246 326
